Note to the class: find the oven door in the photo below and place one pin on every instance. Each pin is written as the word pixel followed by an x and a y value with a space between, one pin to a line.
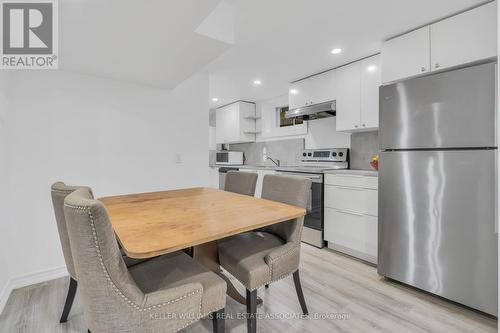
pixel 314 216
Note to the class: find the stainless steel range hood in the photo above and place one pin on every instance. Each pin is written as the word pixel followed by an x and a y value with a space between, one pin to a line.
pixel 311 112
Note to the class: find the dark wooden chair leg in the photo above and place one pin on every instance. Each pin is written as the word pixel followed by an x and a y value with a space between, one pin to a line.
pixel 252 311
pixel 218 321
pixel 300 294
pixel 69 300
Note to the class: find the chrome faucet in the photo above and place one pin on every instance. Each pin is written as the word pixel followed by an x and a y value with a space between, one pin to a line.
pixel 277 162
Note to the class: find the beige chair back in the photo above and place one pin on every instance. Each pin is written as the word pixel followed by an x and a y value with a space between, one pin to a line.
pixel 241 182
pixel 59 191
pixel 292 190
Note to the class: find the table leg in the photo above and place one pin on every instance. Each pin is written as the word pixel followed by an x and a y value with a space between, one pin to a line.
pixel 208 255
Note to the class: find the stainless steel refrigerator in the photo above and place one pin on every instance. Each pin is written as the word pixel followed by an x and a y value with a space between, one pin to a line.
pixel 437 194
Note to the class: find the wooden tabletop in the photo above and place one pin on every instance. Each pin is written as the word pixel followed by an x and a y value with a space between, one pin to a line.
pixel 151 224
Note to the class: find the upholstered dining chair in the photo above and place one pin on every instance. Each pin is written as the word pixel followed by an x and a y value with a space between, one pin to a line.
pixel 59 191
pixel 164 294
pixel 241 182
pixel 261 257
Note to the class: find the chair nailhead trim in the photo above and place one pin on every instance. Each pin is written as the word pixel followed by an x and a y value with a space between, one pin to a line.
pixel 293 249
pixel 271 271
pixel 108 278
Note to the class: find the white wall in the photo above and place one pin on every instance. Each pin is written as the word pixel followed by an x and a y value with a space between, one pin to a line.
pixel 113 136
pixel 4 238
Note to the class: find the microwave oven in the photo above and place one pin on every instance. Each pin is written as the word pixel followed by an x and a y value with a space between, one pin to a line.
pixel 229 158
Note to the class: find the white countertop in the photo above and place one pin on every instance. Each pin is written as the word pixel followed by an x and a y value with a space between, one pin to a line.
pixel 370 173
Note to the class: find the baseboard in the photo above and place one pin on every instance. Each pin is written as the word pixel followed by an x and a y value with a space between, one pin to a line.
pixel 4 296
pixel 25 280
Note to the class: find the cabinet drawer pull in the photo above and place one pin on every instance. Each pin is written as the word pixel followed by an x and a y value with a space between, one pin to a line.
pixel 349 212
pixel 351 176
pixel 349 188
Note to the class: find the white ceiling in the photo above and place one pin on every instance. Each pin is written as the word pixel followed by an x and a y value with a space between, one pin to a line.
pixel 278 41
pixel 150 42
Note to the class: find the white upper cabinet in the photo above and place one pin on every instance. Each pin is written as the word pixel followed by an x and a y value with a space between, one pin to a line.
pixel 461 39
pixel 235 123
pixel 348 93
pixel 370 82
pixel 464 38
pixel 313 90
pixel 357 95
pixel 406 56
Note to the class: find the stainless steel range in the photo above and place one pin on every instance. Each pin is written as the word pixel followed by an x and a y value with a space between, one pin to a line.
pixel 312 166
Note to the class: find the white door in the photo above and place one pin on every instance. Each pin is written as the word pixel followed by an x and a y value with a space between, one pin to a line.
pixel 370 83
pixel 300 92
pixel 323 87
pixel 348 97
pixel 227 121
pixel 464 38
pixel 406 56
pixel 313 90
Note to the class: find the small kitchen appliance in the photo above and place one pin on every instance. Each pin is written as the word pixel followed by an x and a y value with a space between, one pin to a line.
pixel 227 157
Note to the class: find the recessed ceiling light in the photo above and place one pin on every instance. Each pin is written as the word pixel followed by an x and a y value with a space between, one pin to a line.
pixel 294 91
pixel 215 99
pixel 371 68
pixel 257 82
pixel 336 51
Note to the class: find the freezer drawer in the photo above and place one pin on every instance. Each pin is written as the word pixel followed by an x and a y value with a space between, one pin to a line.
pixel 453 109
pixel 437 223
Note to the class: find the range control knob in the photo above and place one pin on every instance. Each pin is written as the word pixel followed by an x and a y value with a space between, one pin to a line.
pixel 309 154
pixel 334 154
pixel 304 154
pixel 341 154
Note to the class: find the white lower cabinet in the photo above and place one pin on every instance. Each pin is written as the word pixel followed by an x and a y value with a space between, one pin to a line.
pixel 352 199
pixel 352 233
pixel 351 210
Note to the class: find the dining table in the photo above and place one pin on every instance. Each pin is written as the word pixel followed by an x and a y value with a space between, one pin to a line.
pixel 151 224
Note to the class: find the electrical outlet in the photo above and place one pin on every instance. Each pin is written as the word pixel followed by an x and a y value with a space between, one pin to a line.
pixel 178 158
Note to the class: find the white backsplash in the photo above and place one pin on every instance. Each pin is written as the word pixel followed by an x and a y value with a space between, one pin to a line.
pixel 288 151
pixel 363 147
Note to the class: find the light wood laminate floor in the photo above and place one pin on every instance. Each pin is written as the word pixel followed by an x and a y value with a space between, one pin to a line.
pixel 332 283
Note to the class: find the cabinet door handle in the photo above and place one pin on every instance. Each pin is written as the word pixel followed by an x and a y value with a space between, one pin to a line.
pixel 355 126
pixel 364 125
pixel 349 188
pixel 348 212
pixel 437 65
pixel 422 69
